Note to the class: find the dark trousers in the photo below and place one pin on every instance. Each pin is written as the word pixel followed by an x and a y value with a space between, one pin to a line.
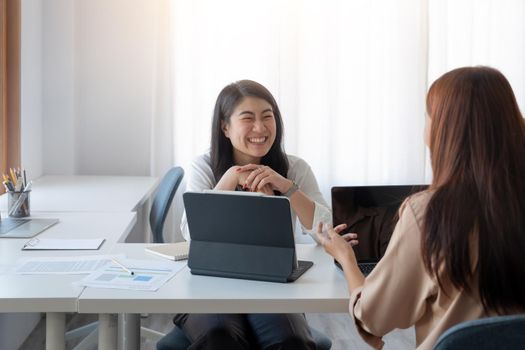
pixel 246 331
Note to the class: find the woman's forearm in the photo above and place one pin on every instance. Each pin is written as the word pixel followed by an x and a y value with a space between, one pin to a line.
pixel 304 207
pixel 353 275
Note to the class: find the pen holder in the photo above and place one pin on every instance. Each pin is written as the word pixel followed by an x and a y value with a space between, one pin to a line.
pixel 18 204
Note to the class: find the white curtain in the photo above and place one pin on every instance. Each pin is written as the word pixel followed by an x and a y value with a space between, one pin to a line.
pixel 478 32
pixel 350 76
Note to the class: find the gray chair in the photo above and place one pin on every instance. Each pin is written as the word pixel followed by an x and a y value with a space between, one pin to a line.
pixel 157 217
pixel 162 202
pixel 501 332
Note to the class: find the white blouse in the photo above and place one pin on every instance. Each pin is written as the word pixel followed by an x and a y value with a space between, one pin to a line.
pixel 200 177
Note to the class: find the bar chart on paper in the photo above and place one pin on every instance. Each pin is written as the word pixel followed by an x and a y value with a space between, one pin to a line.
pixel 146 275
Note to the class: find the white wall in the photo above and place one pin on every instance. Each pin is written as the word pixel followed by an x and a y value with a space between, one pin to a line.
pixel 31 87
pixel 114 58
pixel 96 109
pixel 58 86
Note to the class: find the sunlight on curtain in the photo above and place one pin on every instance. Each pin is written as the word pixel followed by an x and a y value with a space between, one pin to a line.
pixel 479 32
pixel 350 76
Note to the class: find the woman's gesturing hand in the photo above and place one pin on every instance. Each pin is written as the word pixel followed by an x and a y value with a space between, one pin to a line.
pixel 340 247
pixel 261 176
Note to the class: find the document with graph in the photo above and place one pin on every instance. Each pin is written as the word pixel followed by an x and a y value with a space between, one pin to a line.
pixel 132 274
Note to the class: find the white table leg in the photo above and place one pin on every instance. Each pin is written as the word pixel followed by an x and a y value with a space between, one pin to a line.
pixel 131 331
pixel 55 331
pixel 107 331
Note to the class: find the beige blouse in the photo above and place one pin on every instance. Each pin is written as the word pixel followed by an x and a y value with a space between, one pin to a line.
pixel 400 293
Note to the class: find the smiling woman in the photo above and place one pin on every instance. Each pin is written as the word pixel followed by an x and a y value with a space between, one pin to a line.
pixel 247 154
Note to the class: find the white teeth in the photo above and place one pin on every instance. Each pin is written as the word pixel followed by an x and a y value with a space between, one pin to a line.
pixel 257 139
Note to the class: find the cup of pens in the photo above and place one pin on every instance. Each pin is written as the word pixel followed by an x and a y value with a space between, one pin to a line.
pixel 18 191
pixel 18 204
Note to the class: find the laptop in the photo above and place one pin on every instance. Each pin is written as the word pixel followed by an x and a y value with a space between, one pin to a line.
pixel 372 212
pixel 24 227
pixel 240 235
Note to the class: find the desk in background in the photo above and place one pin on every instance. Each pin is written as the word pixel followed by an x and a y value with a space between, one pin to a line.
pixel 88 206
pixel 56 294
pixel 106 194
pixel 63 193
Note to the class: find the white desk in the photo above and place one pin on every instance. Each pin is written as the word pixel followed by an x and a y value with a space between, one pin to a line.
pixel 88 193
pixel 56 294
pixel 112 226
pixel 97 205
pixel 107 194
pixel 321 289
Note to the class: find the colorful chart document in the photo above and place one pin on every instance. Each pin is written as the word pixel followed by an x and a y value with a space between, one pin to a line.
pixel 148 275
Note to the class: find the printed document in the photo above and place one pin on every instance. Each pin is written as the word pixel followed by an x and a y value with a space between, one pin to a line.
pixel 148 275
pixel 62 265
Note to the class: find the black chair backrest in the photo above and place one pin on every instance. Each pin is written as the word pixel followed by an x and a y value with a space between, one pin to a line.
pixel 501 332
pixel 162 202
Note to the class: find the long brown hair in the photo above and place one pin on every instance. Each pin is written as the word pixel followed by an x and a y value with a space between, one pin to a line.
pixel 475 221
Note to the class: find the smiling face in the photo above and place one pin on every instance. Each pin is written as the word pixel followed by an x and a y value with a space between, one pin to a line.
pixel 251 130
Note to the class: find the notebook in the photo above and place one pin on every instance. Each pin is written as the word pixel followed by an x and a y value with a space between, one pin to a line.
pixel 172 251
pixel 371 212
pixel 24 228
pixel 236 235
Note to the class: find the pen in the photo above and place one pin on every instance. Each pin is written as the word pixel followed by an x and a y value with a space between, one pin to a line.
pixel 9 186
pixel 13 177
pixel 131 273
pixel 31 243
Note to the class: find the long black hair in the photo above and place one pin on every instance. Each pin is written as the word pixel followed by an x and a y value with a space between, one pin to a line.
pixel 477 212
pixel 221 151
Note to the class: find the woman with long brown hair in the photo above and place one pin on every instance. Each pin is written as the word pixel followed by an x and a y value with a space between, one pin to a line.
pixel 458 250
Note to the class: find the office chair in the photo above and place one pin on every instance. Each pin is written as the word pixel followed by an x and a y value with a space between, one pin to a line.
pixel 501 332
pixel 162 202
pixel 159 211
